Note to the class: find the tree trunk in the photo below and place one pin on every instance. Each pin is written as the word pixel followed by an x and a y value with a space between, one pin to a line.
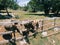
pixel 57 12
pixel 7 11
pixel 0 11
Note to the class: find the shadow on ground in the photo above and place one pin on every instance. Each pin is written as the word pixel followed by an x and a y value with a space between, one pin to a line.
pixel 5 16
pixel 49 15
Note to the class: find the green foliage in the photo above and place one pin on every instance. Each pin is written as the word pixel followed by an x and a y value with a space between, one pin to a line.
pixel 35 5
pixel 8 4
pixel 25 8
pixel 56 6
pixel 5 4
pixel 14 5
pixel 45 5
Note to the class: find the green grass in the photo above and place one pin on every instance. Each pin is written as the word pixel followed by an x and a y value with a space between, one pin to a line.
pixel 27 15
pixel 39 41
pixel 30 17
pixel 43 41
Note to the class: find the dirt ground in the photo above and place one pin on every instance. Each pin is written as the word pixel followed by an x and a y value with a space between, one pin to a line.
pixel 57 36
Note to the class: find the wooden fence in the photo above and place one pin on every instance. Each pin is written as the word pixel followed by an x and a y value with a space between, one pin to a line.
pixel 42 26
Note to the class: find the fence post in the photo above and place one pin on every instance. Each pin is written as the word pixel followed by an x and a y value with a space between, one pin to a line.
pixel 42 24
pixel 54 22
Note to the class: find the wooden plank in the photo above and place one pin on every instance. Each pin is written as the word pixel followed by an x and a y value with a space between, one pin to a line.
pixel 8 32
pixel 17 39
pixel 7 41
pixel 51 34
pixel 47 29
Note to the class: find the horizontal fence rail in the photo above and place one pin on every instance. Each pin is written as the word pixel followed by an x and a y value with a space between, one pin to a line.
pixel 8 32
pixel 23 22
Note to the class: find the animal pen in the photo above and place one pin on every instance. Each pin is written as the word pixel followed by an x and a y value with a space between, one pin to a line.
pixel 47 34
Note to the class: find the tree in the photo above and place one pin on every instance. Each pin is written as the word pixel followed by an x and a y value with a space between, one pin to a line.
pixel 56 6
pixel 45 5
pixel 5 4
pixel 35 5
pixel 25 8
pixel 14 5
